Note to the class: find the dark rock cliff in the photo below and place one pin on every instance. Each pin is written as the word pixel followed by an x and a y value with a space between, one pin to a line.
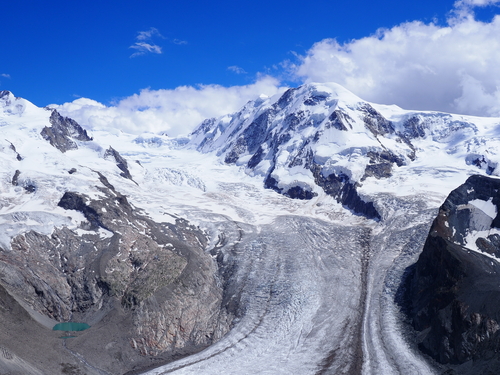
pixel 121 163
pixel 344 191
pixel 452 293
pixel 63 132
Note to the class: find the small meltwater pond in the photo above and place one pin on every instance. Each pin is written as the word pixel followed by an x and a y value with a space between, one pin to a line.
pixel 71 326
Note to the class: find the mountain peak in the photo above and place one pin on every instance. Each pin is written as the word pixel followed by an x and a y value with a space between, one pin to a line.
pixel 314 137
pixel 4 93
pixel 10 104
pixel 320 137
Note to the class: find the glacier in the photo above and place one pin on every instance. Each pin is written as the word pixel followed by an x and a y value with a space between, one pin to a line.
pixel 308 206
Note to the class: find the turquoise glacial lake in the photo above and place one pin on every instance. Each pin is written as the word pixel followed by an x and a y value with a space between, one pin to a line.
pixel 71 326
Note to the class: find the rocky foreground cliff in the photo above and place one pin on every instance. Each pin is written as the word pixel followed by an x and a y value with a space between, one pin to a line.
pixel 452 293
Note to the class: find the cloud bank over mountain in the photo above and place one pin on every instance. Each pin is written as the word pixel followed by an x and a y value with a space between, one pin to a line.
pixel 452 68
pixel 175 112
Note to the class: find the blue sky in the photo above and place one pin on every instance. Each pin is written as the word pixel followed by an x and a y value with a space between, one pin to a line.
pixel 108 51
pixel 54 50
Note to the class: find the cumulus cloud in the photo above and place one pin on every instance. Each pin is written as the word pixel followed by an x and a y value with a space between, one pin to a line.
pixel 416 65
pixel 175 112
pixel 475 99
pixel 474 3
pixel 4 75
pixel 144 44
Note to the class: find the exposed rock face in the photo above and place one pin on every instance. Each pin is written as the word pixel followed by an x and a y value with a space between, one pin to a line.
pixel 452 294
pixel 146 288
pixel 63 132
pixel 339 120
pixel 345 192
pixel 381 164
pixel 16 177
pixel 28 187
pixel 120 161
pixel 13 148
pixel 375 122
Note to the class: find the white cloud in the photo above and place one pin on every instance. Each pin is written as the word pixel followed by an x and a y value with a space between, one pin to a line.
pixel 465 8
pixel 474 3
pixel 179 42
pixel 417 65
pixel 145 35
pixel 144 44
pixel 175 111
pixel 142 48
pixel 236 69
pixel 475 99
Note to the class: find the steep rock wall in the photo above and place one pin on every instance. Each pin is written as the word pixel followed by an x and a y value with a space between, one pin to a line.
pixel 452 293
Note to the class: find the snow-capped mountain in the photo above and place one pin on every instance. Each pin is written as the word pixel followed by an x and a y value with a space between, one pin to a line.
pixel 273 240
pixel 322 137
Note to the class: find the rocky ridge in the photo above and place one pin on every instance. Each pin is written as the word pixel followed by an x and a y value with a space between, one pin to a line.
pixel 451 294
pixel 63 132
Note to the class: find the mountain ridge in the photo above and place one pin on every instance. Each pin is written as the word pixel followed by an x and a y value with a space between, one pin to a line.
pixel 321 135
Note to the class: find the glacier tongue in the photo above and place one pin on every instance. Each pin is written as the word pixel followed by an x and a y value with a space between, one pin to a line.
pixel 315 297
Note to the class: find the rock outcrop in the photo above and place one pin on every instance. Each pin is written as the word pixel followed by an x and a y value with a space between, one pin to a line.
pixel 63 132
pixel 452 293
pixel 120 161
pixel 344 191
pixel 148 289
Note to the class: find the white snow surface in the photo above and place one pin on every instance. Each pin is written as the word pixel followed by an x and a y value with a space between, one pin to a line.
pixel 288 243
pixel 482 214
pixel 486 206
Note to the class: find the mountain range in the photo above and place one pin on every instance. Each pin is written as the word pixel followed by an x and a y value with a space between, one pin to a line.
pixel 311 232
